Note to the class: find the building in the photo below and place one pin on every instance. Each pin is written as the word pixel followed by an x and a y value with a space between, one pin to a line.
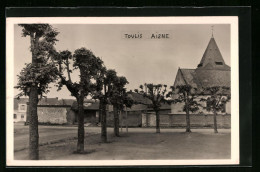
pixel 91 111
pixel 211 71
pixel 20 109
pixel 55 111
pixel 50 110
pixel 142 114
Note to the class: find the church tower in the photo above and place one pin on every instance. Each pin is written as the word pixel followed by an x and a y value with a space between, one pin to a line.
pixel 211 71
pixel 212 58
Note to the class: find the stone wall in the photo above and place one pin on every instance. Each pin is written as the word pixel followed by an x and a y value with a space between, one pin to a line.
pixel 52 115
pixel 179 120
pixel 90 116
pixel 71 116
pixel 133 119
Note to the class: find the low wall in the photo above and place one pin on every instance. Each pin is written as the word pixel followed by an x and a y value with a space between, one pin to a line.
pixel 179 120
pixel 133 119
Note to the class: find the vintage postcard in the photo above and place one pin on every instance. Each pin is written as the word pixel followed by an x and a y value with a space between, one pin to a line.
pixel 116 91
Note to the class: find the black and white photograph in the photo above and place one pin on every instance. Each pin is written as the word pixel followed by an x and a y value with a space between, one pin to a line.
pixel 102 91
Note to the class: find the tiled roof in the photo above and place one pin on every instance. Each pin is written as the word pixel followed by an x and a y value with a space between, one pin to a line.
pixel 208 73
pixel 212 58
pixel 140 99
pixel 20 101
pixel 49 101
pixel 137 107
pixel 206 78
pixel 67 101
pixel 210 78
pixel 164 106
pixel 88 105
pixel 45 102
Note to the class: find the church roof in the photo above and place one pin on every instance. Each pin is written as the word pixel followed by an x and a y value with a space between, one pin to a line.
pixel 212 58
pixel 212 70
pixel 205 78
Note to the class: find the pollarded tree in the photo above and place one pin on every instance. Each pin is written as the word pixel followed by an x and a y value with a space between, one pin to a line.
pixel 104 84
pixel 119 99
pixel 156 93
pixel 216 101
pixel 188 95
pixel 89 66
pixel 35 77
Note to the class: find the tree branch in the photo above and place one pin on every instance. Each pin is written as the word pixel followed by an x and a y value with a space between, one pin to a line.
pixel 68 69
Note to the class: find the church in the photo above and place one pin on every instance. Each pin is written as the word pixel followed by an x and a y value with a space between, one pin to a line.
pixel 211 71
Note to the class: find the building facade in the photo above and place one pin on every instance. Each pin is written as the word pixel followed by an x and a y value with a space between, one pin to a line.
pixel 20 110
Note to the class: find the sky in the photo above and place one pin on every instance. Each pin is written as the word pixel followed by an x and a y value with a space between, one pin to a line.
pixel 139 60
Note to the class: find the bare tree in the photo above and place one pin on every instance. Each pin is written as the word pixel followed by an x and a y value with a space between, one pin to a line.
pixel 105 81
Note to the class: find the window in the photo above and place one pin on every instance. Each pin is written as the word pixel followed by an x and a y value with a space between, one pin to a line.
pixel 22 107
pixel 15 116
pixel 219 63
pixel 22 116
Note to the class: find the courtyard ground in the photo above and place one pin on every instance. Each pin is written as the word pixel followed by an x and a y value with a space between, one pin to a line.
pixel 59 142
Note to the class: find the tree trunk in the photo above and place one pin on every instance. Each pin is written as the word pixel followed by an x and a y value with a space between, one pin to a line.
pixel 81 132
pixel 126 120
pixel 33 124
pixel 103 123
pixel 116 121
pixel 27 115
pixel 157 121
pixel 33 101
pixel 215 122
pixel 187 121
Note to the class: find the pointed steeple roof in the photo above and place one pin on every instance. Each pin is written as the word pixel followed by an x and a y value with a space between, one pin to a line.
pixel 212 58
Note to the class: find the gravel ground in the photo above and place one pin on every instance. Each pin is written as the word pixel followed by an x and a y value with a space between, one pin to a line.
pixel 139 143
